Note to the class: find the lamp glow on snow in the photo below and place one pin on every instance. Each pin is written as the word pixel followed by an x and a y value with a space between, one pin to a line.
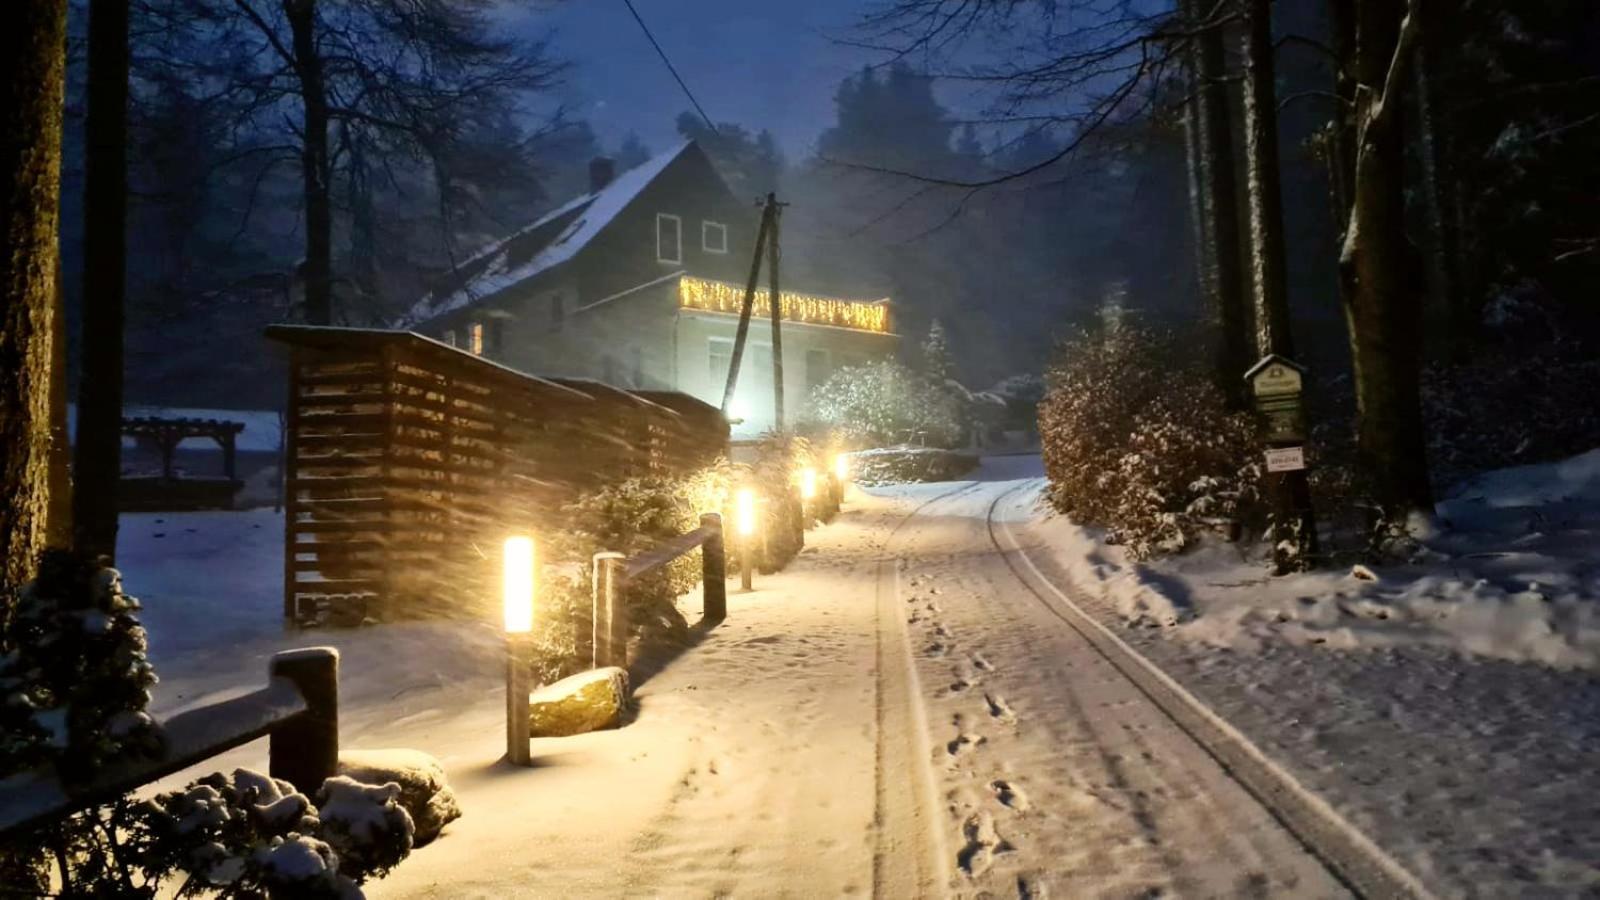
pixel 808 483
pixel 744 509
pixel 517 584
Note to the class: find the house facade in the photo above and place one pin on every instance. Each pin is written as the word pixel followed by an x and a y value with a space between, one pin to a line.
pixel 639 284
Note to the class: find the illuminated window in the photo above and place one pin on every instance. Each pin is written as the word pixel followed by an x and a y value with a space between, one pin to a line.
pixel 713 237
pixel 450 336
pixel 669 238
pixel 476 331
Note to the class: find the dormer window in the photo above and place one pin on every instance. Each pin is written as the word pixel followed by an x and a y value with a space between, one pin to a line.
pixel 713 237
pixel 669 238
pixel 476 333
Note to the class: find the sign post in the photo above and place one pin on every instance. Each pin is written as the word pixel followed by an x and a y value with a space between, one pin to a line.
pixel 1277 384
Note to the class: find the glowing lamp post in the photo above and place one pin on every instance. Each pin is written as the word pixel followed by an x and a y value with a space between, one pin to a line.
pixel 517 588
pixel 745 523
pixel 841 474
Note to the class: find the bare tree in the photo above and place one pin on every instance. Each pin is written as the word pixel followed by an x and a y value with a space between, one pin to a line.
pixel 32 77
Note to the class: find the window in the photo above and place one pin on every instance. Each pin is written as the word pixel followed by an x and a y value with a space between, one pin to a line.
pixel 476 333
pixel 713 237
pixel 497 336
pixel 450 336
pixel 558 311
pixel 669 238
pixel 720 358
pixel 818 368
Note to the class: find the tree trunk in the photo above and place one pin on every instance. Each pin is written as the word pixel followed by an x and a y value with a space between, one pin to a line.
pixel 1220 190
pixel 1294 527
pixel 33 66
pixel 1438 198
pixel 315 165
pixel 1383 315
pixel 1194 169
pixel 97 456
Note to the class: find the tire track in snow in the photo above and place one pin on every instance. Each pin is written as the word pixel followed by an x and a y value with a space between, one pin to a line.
pixel 909 855
pixel 1348 854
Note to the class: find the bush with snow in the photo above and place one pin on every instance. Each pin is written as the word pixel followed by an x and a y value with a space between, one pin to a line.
pixel 1138 441
pixel 74 677
pixel 885 403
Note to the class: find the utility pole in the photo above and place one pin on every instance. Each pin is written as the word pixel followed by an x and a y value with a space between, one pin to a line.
pixel 775 306
pixel 768 221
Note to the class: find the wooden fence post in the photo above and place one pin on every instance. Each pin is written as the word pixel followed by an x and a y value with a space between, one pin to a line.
pixel 713 570
pixel 304 751
pixel 610 633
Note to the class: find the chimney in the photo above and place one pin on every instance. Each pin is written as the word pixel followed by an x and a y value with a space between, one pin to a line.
pixel 601 170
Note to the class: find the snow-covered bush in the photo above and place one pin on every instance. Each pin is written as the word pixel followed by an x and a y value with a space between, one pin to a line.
pixel 1139 442
pixel 902 465
pixel 74 678
pixel 884 403
pixel 778 497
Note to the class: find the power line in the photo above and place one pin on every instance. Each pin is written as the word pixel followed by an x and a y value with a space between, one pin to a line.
pixel 670 68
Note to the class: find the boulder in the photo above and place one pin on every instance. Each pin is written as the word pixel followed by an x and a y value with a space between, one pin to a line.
pixel 424 793
pixel 589 701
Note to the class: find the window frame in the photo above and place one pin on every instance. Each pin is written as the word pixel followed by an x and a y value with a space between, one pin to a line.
pixel 706 225
pixel 677 223
pixel 475 338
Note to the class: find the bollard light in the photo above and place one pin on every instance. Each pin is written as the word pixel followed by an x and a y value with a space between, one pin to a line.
pixel 518 584
pixel 841 468
pixel 808 483
pixel 745 511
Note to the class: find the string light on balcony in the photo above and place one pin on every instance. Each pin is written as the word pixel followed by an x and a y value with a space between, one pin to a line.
pixel 722 297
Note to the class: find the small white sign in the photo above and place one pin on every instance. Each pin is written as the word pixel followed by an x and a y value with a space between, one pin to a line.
pixel 1286 459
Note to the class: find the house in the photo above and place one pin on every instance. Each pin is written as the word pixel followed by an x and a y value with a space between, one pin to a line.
pixel 639 284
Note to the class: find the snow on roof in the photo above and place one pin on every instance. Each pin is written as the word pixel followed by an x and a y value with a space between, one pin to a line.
pixel 500 270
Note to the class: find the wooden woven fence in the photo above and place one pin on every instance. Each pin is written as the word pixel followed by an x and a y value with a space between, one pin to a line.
pixel 408 461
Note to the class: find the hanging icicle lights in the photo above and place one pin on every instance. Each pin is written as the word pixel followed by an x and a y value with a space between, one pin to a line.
pixel 722 297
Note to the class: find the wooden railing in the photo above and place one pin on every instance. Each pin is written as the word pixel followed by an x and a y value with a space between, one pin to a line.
pixel 407 461
pixel 614 571
pixel 298 711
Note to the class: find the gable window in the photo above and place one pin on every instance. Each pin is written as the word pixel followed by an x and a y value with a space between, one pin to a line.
pixel 476 339
pixel 713 237
pixel 669 238
pixel 558 311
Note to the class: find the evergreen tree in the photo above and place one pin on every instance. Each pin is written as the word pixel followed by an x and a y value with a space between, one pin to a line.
pixel 937 363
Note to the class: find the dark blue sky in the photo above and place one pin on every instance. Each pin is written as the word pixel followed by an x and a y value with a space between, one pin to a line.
pixel 761 63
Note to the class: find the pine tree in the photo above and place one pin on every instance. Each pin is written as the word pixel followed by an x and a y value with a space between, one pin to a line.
pixel 937 363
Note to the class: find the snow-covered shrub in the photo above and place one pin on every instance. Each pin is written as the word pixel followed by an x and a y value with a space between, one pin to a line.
pixel 783 522
pixel 365 825
pixel 74 678
pixel 1139 442
pixel 885 403
pixel 631 517
pixel 902 465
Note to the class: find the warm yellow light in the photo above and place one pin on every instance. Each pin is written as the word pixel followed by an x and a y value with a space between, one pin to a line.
pixel 722 297
pixel 808 483
pixel 841 468
pixel 745 503
pixel 518 584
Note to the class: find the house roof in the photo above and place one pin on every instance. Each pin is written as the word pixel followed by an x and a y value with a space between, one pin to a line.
pixel 550 241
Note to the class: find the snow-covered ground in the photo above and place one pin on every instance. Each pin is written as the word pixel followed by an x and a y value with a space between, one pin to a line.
pixel 899 714
pixel 1450 707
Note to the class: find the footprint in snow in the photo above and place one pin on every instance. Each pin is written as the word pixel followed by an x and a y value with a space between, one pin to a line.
pixel 999 709
pixel 1010 796
pixel 963 743
pixel 983 844
pixel 981 663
